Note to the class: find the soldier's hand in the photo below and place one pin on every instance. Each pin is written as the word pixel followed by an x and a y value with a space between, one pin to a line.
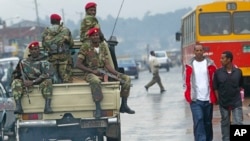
pixel 28 83
pixel 96 72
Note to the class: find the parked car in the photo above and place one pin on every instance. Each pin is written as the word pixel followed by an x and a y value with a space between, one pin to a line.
pixel 130 67
pixel 6 63
pixel 7 117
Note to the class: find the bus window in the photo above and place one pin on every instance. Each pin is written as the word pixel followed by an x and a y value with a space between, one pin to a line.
pixel 214 23
pixel 241 22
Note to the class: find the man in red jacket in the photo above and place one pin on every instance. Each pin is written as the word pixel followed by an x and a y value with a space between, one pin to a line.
pixel 199 93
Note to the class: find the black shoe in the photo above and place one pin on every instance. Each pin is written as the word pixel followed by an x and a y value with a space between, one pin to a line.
pixel 162 91
pixel 146 88
pixel 127 110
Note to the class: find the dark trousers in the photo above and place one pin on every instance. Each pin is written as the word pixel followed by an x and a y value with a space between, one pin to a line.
pixel 202 112
pixel 237 119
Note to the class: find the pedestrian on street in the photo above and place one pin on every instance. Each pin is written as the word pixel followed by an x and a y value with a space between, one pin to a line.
pixel 154 66
pixel 199 93
pixel 92 56
pixel 228 82
pixel 35 70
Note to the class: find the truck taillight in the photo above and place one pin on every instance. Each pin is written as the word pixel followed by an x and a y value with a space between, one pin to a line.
pixel 32 116
pixel 106 113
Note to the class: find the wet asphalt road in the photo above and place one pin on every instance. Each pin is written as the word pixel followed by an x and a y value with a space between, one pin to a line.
pixel 164 117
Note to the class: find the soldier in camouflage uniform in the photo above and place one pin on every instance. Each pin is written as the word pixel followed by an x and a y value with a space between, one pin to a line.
pixel 89 21
pixel 35 70
pixel 57 39
pixel 94 55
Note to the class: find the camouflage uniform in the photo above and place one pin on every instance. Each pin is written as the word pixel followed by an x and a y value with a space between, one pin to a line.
pixel 57 40
pixel 88 22
pixel 94 60
pixel 33 69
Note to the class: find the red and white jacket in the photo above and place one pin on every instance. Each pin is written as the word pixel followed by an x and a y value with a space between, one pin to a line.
pixel 189 80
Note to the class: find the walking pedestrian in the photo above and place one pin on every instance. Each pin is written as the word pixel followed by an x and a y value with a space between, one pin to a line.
pixel 199 93
pixel 154 67
pixel 228 82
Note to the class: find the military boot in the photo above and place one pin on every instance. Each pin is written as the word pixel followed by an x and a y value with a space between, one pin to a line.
pixel 19 109
pixel 47 107
pixel 124 107
pixel 98 112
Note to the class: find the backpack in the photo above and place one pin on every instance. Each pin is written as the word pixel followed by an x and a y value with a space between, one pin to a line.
pixel 54 39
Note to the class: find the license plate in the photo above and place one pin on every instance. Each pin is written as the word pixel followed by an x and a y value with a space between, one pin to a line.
pixel 93 123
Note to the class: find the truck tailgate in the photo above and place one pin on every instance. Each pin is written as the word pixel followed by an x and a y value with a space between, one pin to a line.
pixel 74 98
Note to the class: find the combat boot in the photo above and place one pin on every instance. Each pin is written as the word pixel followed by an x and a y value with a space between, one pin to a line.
pixel 98 112
pixel 124 107
pixel 19 109
pixel 47 107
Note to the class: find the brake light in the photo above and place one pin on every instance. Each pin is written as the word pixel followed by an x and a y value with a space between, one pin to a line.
pixel 106 113
pixel 32 116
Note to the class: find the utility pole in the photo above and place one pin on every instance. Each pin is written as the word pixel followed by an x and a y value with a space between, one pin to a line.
pixel 37 20
pixel 63 17
pixel 81 15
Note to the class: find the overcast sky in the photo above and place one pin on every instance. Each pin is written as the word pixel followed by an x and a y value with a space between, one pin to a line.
pixel 25 9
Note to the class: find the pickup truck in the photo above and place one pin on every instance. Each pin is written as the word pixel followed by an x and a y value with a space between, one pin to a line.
pixel 73 112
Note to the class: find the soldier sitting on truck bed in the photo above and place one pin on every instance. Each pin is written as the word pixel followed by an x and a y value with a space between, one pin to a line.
pixel 34 70
pixel 93 56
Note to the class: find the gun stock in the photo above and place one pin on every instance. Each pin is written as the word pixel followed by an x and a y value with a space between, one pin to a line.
pixel 112 76
pixel 23 78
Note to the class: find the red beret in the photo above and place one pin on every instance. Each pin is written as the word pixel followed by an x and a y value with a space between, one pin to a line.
pixel 55 17
pixel 89 5
pixel 92 31
pixel 33 44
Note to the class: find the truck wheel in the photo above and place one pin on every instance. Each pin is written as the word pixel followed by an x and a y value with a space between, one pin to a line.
pixel 119 135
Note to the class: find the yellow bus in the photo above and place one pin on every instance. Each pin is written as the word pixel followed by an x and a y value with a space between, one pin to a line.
pixel 219 26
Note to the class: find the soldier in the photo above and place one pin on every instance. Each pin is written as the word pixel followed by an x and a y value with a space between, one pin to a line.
pixel 34 70
pixel 89 22
pixel 94 55
pixel 57 39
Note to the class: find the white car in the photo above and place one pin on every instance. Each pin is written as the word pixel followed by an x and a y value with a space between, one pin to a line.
pixel 163 59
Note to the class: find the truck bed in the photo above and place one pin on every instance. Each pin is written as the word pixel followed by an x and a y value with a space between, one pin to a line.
pixel 74 98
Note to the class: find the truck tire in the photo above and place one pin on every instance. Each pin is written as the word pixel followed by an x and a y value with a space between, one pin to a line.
pixel 119 135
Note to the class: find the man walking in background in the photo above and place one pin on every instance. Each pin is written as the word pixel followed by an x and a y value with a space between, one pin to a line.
pixel 228 82
pixel 154 66
pixel 199 93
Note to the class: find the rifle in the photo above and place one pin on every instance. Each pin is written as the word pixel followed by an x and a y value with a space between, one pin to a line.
pixel 23 77
pixel 112 76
